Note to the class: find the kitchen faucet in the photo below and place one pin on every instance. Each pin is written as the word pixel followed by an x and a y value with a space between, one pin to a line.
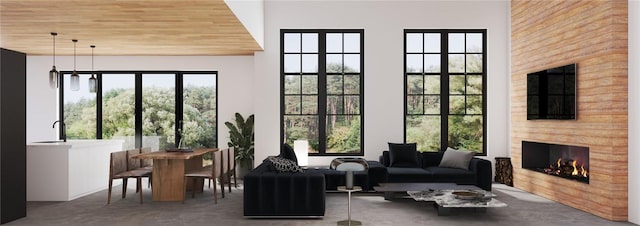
pixel 64 129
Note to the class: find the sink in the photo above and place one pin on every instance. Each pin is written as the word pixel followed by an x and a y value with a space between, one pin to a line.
pixel 50 141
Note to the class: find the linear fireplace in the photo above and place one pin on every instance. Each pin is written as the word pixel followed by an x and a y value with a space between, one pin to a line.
pixel 570 162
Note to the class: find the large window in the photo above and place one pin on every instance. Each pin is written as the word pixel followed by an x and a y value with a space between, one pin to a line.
pixel 445 89
pixel 151 109
pixel 80 107
pixel 159 111
pixel 118 108
pixel 322 97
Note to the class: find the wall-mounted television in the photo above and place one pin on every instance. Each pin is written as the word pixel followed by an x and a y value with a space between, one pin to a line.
pixel 551 93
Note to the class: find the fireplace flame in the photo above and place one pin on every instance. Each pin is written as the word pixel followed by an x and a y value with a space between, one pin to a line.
pixel 571 168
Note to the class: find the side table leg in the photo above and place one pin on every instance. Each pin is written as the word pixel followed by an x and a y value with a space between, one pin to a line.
pixel 349 222
pixel 349 204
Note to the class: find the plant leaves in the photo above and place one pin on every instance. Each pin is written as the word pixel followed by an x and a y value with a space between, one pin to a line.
pixel 241 137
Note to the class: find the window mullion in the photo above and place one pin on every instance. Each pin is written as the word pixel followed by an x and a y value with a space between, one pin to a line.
pixel 138 110
pixel 179 111
pixel 424 77
pixel 322 93
pixel 465 74
pixel 99 106
pixel 444 91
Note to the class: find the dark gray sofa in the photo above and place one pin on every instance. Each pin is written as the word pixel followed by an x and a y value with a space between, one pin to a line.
pixel 479 173
pixel 268 193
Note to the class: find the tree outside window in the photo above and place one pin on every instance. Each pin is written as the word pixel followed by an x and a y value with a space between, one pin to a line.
pixel 322 90
pixel 445 89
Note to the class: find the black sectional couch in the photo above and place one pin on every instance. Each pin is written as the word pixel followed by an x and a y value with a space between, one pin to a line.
pixel 479 173
pixel 268 193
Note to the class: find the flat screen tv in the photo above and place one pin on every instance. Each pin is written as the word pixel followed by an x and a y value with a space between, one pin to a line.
pixel 551 93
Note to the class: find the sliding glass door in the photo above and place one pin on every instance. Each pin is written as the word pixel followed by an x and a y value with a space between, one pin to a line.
pixel 158 111
pixel 80 110
pixel 154 109
pixel 118 108
pixel 199 118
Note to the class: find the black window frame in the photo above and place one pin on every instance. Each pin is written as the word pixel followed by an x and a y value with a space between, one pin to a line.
pixel 444 76
pixel 322 91
pixel 179 92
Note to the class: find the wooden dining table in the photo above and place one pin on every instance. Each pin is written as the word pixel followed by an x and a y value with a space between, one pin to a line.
pixel 169 169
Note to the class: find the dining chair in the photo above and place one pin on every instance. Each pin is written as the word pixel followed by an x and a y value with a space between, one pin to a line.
pixel 211 172
pixel 228 166
pixel 232 168
pixel 225 162
pixel 118 163
pixel 147 164
pixel 133 166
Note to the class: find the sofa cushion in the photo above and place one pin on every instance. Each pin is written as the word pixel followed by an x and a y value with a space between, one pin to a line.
pixel 453 158
pixel 283 165
pixel 403 155
pixel 452 175
pixel 408 175
pixel 287 152
pixel 266 166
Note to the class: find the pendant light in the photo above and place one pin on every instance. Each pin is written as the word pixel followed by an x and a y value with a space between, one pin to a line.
pixel 92 81
pixel 75 78
pixel 53 74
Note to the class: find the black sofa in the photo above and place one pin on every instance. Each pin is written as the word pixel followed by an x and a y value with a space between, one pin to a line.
pixel 479 173
pixel 268 193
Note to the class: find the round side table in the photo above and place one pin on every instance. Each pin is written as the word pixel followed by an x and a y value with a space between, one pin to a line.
pixel 348 221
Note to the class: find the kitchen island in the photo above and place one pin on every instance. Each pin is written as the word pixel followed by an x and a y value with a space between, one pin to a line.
pixel 63 171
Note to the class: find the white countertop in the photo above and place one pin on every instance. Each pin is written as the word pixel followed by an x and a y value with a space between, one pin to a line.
pixel 74 143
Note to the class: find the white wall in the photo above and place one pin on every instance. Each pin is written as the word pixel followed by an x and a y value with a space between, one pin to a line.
pixel 383 23
pixel 235 85
pixel 251 15
pixel 634 112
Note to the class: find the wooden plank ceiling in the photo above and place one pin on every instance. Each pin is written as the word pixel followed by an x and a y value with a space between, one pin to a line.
pixel 124 27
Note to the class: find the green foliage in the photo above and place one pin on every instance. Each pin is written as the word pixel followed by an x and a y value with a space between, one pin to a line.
pixel 342 104
pixel 465 108
pixel 241 136
pixel 345 137
pixel 425 131
pixel 118 113
pixel 80 112
pixel 199 118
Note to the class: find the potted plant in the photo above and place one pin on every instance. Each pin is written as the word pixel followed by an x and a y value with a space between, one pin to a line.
pixel 241 139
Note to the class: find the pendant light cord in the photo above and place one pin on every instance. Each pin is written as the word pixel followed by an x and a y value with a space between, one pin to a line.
pixel 54 47
pixel 92 47
pixel 74 54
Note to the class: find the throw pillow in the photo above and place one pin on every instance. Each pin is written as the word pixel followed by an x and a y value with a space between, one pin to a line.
pixel 430 158
pixel 287 152
pixel 453 158
pixel 403 155
pixel 283 165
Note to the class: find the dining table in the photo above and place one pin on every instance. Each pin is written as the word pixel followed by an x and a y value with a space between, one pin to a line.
pixel 169 167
